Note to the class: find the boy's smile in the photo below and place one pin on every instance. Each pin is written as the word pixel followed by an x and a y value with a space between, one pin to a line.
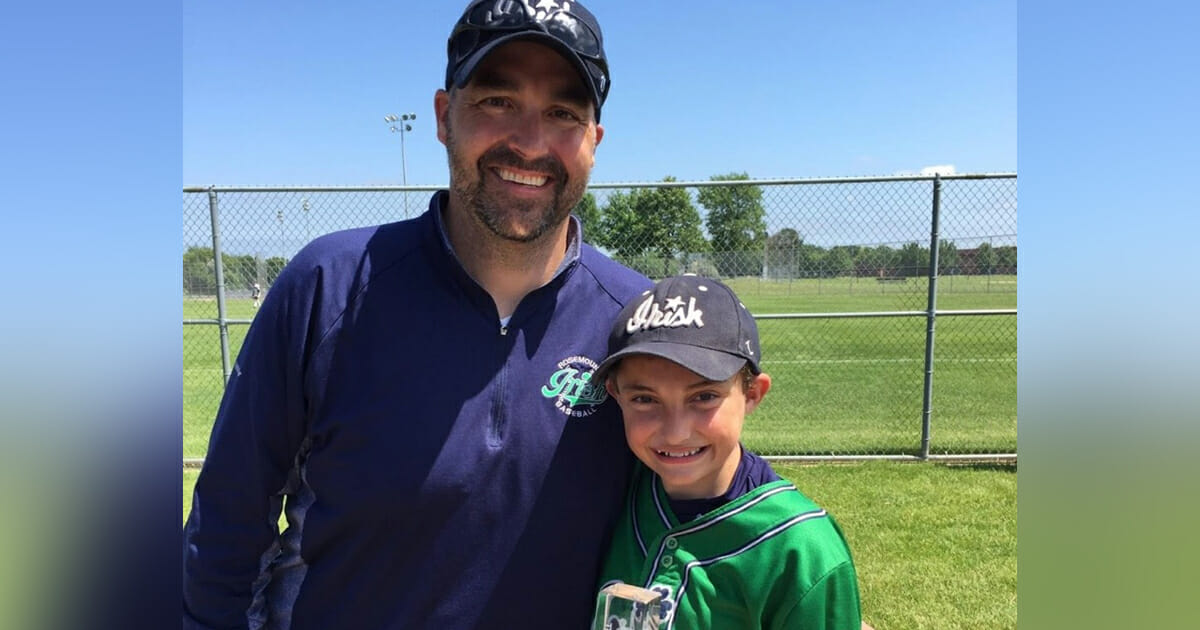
pixel 682 426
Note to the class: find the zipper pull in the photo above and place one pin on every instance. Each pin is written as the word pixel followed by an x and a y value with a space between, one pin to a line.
pixel 503 331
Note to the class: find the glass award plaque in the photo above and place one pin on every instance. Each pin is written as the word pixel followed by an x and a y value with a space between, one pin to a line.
pixel 627 607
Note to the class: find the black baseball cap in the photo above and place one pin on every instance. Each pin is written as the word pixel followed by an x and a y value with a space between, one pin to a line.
pixel 568 27
pixel 696 322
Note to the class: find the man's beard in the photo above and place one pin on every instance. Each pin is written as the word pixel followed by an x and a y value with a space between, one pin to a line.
pixel 503 217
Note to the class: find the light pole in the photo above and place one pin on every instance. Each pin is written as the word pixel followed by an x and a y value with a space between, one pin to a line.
pixel 400 124
pixel 307 232
pixel 282 247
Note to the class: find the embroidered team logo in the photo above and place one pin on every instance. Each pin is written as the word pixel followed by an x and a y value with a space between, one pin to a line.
pixel 572 388
pixel 546 8
pixel 670 314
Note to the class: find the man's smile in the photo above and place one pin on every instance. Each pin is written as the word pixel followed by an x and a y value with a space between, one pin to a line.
pixel 526 179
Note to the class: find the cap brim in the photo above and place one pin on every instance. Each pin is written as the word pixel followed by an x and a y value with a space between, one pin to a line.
pixel 463 73
pixel 713 365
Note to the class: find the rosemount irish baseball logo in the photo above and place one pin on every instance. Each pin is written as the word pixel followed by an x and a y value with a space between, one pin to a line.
pixel 572 389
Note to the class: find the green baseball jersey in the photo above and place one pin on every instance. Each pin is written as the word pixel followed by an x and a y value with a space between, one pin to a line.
pixel 770 559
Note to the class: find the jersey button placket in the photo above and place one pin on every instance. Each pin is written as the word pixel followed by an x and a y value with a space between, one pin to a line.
pixel 671 542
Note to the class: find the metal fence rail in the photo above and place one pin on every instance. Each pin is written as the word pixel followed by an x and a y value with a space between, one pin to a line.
pixel 865 289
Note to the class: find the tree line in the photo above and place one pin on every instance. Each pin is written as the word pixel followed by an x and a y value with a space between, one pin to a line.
pixel 658 232
pixel 239 271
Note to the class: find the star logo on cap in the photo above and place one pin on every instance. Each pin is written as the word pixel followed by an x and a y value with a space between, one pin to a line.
pixel 674 303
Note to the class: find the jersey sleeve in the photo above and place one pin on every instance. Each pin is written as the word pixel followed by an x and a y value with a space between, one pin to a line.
pixel 232 528
pixel 831 604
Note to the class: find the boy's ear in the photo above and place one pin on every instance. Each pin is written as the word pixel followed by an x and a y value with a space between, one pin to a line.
pixel 759 387
pixel 610 386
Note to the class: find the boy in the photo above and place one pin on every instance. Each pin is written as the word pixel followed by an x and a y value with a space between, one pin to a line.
pixel 708 524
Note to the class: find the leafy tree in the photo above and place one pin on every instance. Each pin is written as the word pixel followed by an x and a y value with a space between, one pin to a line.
pixel 782 247
pixel 947 256
pixel 589 216
pixel 876 261
pixel 840 260
pixel 198 275
pixel 238 270
pixel 272 267
pixel 985 259
pixel 913 260
pixel 619 219
pixel 660 221
pixel 810 259
pixel 1006 259
pixel 736 224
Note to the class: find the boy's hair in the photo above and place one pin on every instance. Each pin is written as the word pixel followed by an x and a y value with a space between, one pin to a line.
pixel 747 375
pixel 696 322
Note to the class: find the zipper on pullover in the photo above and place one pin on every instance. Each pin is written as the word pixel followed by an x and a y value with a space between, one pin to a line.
pixel 498 421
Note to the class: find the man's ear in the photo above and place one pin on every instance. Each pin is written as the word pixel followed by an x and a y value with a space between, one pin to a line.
pixel 599 137
pixel 441 109
pixel 759 386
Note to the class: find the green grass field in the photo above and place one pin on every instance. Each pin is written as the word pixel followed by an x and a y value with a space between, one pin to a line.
pixel 856 385
pixel 841 385
pixel 935 546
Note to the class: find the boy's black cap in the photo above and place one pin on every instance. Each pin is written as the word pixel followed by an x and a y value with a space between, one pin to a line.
pixel 696 322
pixel 566 26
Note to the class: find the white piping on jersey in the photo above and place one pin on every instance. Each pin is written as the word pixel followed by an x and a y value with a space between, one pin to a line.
pixel 654 482
pixel 637 531
pixel 687 569
pixel 720 519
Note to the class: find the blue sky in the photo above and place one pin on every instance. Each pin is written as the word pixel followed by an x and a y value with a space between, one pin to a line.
pixel 295 93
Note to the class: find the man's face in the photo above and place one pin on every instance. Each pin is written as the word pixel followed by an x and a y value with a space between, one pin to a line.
pixel 521 139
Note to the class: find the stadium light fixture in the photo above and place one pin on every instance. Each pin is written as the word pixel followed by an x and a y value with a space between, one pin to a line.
pixel 400 124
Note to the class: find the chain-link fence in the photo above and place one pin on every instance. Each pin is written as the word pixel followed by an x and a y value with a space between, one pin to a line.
pixel 886 306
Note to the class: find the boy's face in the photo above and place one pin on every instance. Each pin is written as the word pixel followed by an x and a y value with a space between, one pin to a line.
pixel 682 426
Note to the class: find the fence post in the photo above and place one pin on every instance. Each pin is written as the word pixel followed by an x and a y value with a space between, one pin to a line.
pixel 931 317
pixel 766 259
pixel 219 270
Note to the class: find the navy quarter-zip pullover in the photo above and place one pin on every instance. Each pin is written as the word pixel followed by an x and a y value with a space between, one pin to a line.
pixel 439 470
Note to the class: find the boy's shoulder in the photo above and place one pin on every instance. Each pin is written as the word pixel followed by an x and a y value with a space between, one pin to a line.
pixel 777 505
pixel 756 470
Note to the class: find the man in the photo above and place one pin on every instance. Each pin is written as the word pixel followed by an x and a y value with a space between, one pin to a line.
pixel 416 396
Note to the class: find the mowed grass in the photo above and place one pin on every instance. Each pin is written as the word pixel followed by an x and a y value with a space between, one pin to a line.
pixel 840 385
pixel 855 386
pixel 852 295
pixel 935 546
pixel 203 378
